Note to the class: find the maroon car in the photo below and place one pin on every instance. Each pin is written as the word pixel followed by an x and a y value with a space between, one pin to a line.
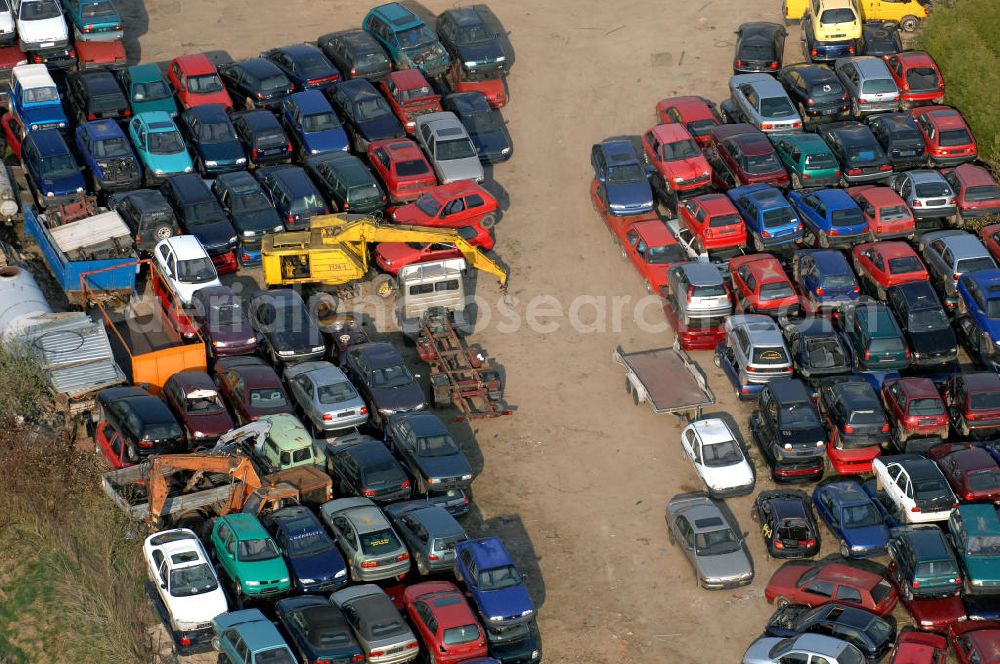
pixel 971 471
pixel 251 388
pixel 915 409
pixel 935 615
pixel 741 154
pixel 973 401
pixel 975 641
pixel 194 399
pixel 815 584
pixel 219 316
pixel 976 192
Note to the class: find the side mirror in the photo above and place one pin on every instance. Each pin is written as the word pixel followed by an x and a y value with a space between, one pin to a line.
pixel 163 585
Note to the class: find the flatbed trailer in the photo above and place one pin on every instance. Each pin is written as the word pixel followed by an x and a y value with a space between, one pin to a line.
pixel 667 379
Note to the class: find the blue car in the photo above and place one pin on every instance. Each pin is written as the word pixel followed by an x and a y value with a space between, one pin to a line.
pixel 484 123
pixel 199 214
pixel 318 630
pixel 106 152
pixel 249 636
pixel 825 51
pixel 293 194
pixel 408 41
pixel 52 173
pixel 770 219
pixel 305 65
pixel 212 138
pixel 853 518
pixel 979 298
pixel 825 278
pixel 622 178
pixel 310 553
pixel 312 124
pixel 34 99
pixel 250 211
pixel 831 216
pixel 496 586
pixel 160 146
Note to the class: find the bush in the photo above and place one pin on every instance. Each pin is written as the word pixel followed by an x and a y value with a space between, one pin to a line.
pixel 24 388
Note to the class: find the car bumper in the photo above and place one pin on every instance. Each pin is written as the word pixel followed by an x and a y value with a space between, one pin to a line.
pixel 951 161
pixel 295 358
pixel 851 466
pixel 114 186
pixel 266 591
pixel 324 586
pixel 928 517
pixel 989 588
pixel 828 52
pixel 845 240
pixel 42 47
pixel 727 584
pixel 933 359
pixel 781 240
pixel 911 98
pixel 867 177
pixel 391 496
pixel 731 492
pixel 827 181
pixel 878 106
pixel 340 423
pixel 234 348
pixel 101 35
pixel 224 167
pixel 192 642
pixel 906 163
pixel 382 572
pixel 395 657
pixel 225 262
pixel 934 212
pixel 978 213
pixel 871 552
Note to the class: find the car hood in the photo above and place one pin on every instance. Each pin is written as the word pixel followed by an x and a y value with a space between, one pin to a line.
pixel 44 30
pixel 213 234
pixel 727 477
pixel 686 169
pixel 724 566
pixel 406 397
pixel 263 570
pixel 266 219
pixel 983 567
pixel 385 126
pixel 214 424
pixel 170 163
pixel 454 465
pixel 228 151
pixel 330 140
pixel 167 105
pixel 630 195
pixel 490 143
pixel 233 334
pixel 509 602
pixel 323 565
pixel 483 53
pixel 62 185
pixel 409 214
pixel 198 608
pixel 185 291
pixel 869 536
pixel 43 114
pixel 934 341
pixel 396 251
pixel 802 437
pixel 758 652
pixel 301 340
pixel 6 22
pixel 460 169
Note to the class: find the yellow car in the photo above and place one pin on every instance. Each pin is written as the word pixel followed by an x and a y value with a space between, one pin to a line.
pixel 833 20
pixel 908 13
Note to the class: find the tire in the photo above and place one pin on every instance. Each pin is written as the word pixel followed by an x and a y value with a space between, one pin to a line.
pixel 781 601
pixel 855 108
pixel 162 232
pixel 670 536
pixel 909 23
pixel 384 285
pixel 802 112
pixel 796 181
pixel 621 252
pixel 422 567
pixel 488 222
pixel 845 550
pixel 635 397
pixel 248 102
pixel 758 244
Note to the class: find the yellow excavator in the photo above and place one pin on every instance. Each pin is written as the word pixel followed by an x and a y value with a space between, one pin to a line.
pixel 336 252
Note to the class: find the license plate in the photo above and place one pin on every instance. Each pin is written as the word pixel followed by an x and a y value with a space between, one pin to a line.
pixel 48 44
pixel 831 111
pixel 936 201
pixel 907 153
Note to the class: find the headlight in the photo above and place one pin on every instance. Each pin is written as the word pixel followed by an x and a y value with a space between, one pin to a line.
pixel 34 127
pixel 496 618
pixel 211 162
pixel 527 612
pixel 307 581
pixel 505 151
pixel 241 160
pixel 79 190
pixel 977 582
pixel 249 233
pixel 617 206
pixel 470 63
pixel 858 547
pixel 314 151
pixel 501 58
pixel 252 340
pixel 420 407
pixel 318 349
pixel 340 574
pixel 251 583
pixel 467 477
pixel 284 580
pixel 157 171
pixel 278 229
pixel 678 180
pixel 387 411
pixel 232 239
pixel 820 443
pixel 62 125
pixel 188 169
pixel 286 353
pixel 50 194
pixel 219 344
pixel 535 654
pixel 199 434
pixel 434 480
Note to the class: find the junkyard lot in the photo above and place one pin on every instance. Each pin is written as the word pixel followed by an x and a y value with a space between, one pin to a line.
pixel 577 480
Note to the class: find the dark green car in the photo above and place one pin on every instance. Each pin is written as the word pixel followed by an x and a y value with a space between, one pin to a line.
pixel 809 160
pixel 147 90
pixel 975 533
pixel 874 338
pixel 923 564
pixel 346 182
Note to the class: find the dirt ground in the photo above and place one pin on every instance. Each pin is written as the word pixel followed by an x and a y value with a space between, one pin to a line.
pixel 577 480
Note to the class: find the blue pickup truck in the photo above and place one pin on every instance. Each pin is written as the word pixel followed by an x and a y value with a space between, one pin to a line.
pixel 34 99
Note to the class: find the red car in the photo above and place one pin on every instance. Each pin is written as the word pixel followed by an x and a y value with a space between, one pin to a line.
pixel 915 409
pixel 697 114
pixel 936 615
pixel 990 235
pixel 762 287
pixel 13 132
pixel 101 55
pixel 919 648
pixel 409 94
pixel 882 265
pixel 194 399
pixel 917 76
pixel 680 165
pixel 976 192
pixel 196 81
pixel 714 222
pixel 691 337
pixel 454 205
pixel 402 168
pixel 948 138
pixel 971 471
pixel 815 584
pixel 651 247
pixel 494 89
pixel 392 256
pixel 886 212
pixel 975 642
pixel 445 622
pixel 743 155
pixel 973 401
pixel 251 388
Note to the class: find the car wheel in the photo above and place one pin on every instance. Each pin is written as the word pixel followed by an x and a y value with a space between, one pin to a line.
pixel 758 244
pixel 796 181
pixel 907 592
pixel 802 112
pixel 162 232
pixel 909 23
pixel 422 566
pixel 223 659
pixel 781 601
pixel 488 222
pixel 248 102
pixel 671 536
pixel 855 108
pixel 845 550
pixel 880 291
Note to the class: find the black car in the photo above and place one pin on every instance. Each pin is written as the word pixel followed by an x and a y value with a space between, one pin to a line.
pixel 853 411
pixel 472 36
pixel 317 630
pixel 924 324
pixel 429 452
pixel 484 123
pixel 148 215
pixel 144 421
pixel 250 211
pixel 293 194
pixel 788 431
pixel 94 95
pixel 860 156
pixel 872 635
pixel 514 644
pixel 379 373
pixel 199 213
pixel 366 467
pixel 817 349
pixel 816 91
pixel 346 183
pixel 212 137
pixel 264 139
pixel 787 523
pixel 366 114
pixel 879 38
pixel 310 553
pixel 287 330
pixel 759 47
pixel 306 66
pixel 899 137
pixel 356 54
pixel 260 82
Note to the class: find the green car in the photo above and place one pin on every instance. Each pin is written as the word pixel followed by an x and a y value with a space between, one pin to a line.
pixel 809 160
pixel 147 90
pixel 975 533
pixel 287 445
pixel 874 338
pixel 923 564
pixel 248 556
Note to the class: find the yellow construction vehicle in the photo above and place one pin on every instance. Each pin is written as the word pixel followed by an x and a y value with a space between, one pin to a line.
pixel 336 252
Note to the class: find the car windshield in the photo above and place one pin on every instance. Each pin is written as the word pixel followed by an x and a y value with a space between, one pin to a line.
pixel 484 123
pixel 993 308
pixel 97 10
pixel 825 353
pixel 39 10
pixel 666 254
pixel 498 578
pixel 985 192
pixel 40 95
pixel 761 163
pixel 877 86
pixel 926 406
pixel 983 545
pixel 685 149
pixel 776 107
pixel 832 16
pixel 420 92
pixel 429 205
pixel 371 108
pixel 984 400
pixel 336 392
pixel 987 479
pixel 797 415
pixel 473 34
pixel 839 282
pixel 267 397
pixel 849 217
pixel 894 213
pixel 390 377
pixel 413 167
pixel 196 270
pixel 275 82
pixel 794 529
pixel 820 160
pixel 721 454
pixel 967 265
pixel 416 37
pixel 625 174
pixel 165 142
pixel 193 580
pixel 202 212
pixel 861 516
pixel 60 165
pixel 250 202
pixel 308 543
pixel 216 132
pixel 151 91
pixel 457 635
pixel 203 405
pixel 255 550
pixel 459 148
pixel 111 147
pixel 933 189
pixel 925 320
pixel 776 290
pixel 716 542
pixel 321 122
pixel 433 446
pixel 205 84
pixel 905 264
pixel 955 137
pixel 379 542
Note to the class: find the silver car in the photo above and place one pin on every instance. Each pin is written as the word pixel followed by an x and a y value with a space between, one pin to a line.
pixel 707 533
pixel 371 547
pixel 869 84
pixel 799 648
pixel 926 192
pixel 759 99
pixel 700 294
pixel 446 142
pixel 948 255
pixel 377 624
pixel 327 398
pixel 755 350
pixel 430 532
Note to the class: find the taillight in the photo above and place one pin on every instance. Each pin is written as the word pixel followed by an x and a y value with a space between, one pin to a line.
pixel 405 484
pixel 916 584
pixel 868 354
pixel 91 116
pixel 806 176
pixel 821 291
pixel 885 167
pixel 812 52
pixel 289 147
pixel 432 557
pixel 260 95
pixel 738 63
pixel 773 65
pixel 402 557
pixel 751 370
pixel 690 291
pixel 811 543
pixel 906 87
pixel 411 645
pixel 907 353
pixel 376 653
pixel 322 661
pixel 915 509
pixel 850 49
pixel 854 171
pixel 185 641
pixel 885 428
pixel 765 234
pixel 856 289
pixel 368 492
pixel 848 428
pixel 357 658
pixel 328 417
pixel 368 564
pixel 810 101
pixel 364 410
pixel 253 153
pixel 353 71
pixel 291 218
pixel 970 496
pixel 778 544
pixel 127 112
pixel 956 276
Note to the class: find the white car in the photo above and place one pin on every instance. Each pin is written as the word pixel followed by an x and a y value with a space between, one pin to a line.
pixel 916 486
pixel 40 24
pixel 185 579
pixel 185 265
pixel 8 32
pixel 718 458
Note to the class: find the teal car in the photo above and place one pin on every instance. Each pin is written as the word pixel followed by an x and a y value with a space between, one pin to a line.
pixel 408 41
pixel 248 556
pixel 809 160
pixel 923 564
pixel 248 637
pixel 975 533
pixel 160 147
pixel 94 20
pixel 147 90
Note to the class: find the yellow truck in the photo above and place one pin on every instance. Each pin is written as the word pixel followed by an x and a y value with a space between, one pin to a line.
pixel 908 13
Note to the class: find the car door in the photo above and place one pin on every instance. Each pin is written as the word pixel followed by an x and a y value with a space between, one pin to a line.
pixel 691 444
pixel 347 539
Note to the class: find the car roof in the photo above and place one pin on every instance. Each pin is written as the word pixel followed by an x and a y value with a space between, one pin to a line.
pixel 725 131
pixel 655 232
pixel 916 387
pixel 880 196
pixel 186 247
pixel 49 142
pixel 813 73
pixel 829 261
pixel 763 84
pixel 489 552
pixel 294 179
pixel 464 16
pixel 849 131
pixel 836 198
pixel 147 199
pixel 145 73
pixel 765 197
pixel 349 168
pixel 896 249
pixel 712 430
pixel 195 64
pixel 979 519
pixel 423 423
pixel 33 76
pixel 400 17
pixel 807 141
pixel 753 145
pixel 287 431
pixel 972 175
pixel 925 175
pixel 468 103
pixel 357 39
pixel 764 267
pixel 365 518
pixel 981 380
pixel 239 182
pixel 759 27
pixel 701 274
pixel 943 117
pixel 259 67
pixel 717 204
pixel 193 380
pixel 259 119
pixel 868 66
pixel 378 354
pixel 408 78
pixel 896 122
pixel 437 520
pixel 368 451
pixel 295 519
pixel 99 82
pixel 357 88
pixel 916 59
pixel 789 390
pixel 857 393
pixel 208 113
pixel 847 492
pixel 157 121
pixel 916 467
pixel 298 50
pixel 310 101
pixel 103 129
pixel 245 525
pixel 671 132
pixel 190 187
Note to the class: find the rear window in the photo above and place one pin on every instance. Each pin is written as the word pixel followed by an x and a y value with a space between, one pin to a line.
pixel 827 90
pixel 778 217
pixel 378 542
pixel 905 264
pixel 310 202
pixel 108 102
pixel 704 323
pixel 866 416
pixel 894 213
pixel 716 290
pixel 365 194
pixel 922 78
pixel 727 220
pixel 839 281
pixel 955 137
pixel 881 591
pixel 850 217
pixel 969 265
pixel 926 407
pixel 412 167
pixel 776 291
pixel 834 16
pixel 821 160
pixel 933 189
pixel 983 480
pixel 700 127
pixel 877 86
pixel 986 192
pixel 765 163
pixel 894 345
pixel 270 139
pixel 984 401
pixel 458 635
pixel 770 356
pixel 276 82
pixel 793 529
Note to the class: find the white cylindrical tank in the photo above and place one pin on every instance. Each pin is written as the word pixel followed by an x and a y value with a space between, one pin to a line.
pixel 8 202
pixel 20 296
